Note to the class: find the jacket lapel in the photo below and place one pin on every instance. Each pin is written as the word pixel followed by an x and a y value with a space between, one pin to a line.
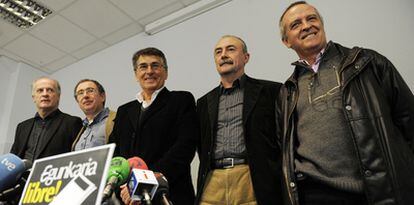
pixel 212 105
pixel 133 114
pixel 25 134
pixel 54 125
pixel 159 102
pixel 251 94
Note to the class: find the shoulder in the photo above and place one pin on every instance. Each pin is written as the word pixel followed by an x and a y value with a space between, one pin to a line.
pixel 25 122
pixel 70 118
pixel 128 105
pixel 208 95
pixel 265 83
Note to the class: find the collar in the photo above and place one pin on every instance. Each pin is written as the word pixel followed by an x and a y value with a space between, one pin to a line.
pixel 140 97
pixel 238 83
pixel 98 118
pixel 50 116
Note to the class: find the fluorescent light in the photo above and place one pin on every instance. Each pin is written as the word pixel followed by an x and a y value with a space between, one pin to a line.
pixel 182 15
pixel 23 13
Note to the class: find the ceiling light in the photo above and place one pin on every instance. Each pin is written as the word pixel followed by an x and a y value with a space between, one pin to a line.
pixel 23 13
pixel 182 15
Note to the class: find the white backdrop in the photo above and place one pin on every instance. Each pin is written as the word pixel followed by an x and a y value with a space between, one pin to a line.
pixel 383 25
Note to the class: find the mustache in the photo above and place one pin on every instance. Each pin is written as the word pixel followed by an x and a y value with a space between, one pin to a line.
pixel 225 61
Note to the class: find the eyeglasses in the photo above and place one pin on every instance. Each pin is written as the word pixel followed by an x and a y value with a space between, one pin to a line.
pixel 87 91
pixel 154 66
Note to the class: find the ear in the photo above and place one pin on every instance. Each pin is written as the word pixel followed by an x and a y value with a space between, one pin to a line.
pixel 286 42
pixel 246 57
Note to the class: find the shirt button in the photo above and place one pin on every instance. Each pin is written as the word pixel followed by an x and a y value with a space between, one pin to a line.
pixel 348 107
pixel 292 184
pixel 368 173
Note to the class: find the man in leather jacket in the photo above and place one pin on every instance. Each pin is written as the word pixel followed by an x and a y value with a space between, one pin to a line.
pixel 348 119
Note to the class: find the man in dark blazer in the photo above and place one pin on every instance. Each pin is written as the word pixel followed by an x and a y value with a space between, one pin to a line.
pixel 51 131
pixel 160 127
pixel 238 148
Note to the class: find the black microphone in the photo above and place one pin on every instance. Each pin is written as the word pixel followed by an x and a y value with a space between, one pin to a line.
pixel 162 192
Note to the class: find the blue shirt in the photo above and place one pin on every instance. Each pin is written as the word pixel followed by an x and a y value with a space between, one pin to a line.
pixel 94 132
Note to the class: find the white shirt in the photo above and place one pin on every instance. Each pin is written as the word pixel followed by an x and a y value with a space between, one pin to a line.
pixel 145 104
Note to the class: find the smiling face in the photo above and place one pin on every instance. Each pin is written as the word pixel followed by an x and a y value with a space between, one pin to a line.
pixel 89 99
pixel 229 57
pixel 45 95
pixel 304 31
pixel 150 73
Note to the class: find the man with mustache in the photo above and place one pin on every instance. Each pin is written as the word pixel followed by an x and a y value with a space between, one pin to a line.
pixel 348 120
pixel 98 123
pixel 159 126
pixel 238 149
pixel 51 131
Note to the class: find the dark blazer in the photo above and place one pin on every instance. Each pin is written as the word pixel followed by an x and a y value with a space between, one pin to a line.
pixel 263 150
pixel 63 130
pixel 165 138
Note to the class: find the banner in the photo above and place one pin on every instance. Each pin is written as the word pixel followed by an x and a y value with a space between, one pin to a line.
pixel 72 178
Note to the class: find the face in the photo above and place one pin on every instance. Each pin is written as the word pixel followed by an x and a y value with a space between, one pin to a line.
pixel 304 30
pixel 45 94
pixel 229 57
pixel 89 99
pixel 150 73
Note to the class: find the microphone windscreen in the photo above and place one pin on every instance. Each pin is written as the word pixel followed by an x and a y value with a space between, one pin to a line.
pixel 137 163
pixel 11 168
pixel 119 168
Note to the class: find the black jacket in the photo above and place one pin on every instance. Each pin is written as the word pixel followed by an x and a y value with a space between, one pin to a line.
pixel 379 109
pixel 165 138
pixel 263 151
pixel 59 138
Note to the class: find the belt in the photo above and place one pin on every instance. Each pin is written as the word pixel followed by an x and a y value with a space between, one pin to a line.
pixel 228 162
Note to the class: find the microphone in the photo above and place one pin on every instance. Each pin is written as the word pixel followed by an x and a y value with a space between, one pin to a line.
pixel 11 170
pixel 141 182
pixel 118 174
pixel 161 194
pixel 137 163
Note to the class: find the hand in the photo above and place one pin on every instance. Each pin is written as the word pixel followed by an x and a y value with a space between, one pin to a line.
pixel 126 198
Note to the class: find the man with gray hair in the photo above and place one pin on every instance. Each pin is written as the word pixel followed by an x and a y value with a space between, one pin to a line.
pixel 348 120
pixel 50 131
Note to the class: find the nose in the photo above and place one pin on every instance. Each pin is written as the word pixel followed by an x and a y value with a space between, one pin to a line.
pixel 306 25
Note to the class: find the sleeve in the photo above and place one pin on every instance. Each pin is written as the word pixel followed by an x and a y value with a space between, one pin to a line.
pixel 400 98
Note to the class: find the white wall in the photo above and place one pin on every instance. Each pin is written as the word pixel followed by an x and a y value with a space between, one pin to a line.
pixel 383 25
pixel 16 103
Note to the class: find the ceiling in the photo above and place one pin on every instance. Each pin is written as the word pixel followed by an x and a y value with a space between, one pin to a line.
pixel 79 28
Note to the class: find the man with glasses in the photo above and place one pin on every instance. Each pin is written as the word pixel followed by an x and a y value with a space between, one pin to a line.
pixel 51 131
pixel 348 120
pixel 98 123
pixel 160 126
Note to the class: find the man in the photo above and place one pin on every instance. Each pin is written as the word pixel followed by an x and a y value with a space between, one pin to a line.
pixel 98 123
pixel 238 149
pixel 160 126
pixel 348 120
pixel 51 131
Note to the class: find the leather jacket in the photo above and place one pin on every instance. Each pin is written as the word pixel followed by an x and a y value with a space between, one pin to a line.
pixel 379 109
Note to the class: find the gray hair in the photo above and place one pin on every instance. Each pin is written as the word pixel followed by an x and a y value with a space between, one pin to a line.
pixel 58 90
pixel 282 27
